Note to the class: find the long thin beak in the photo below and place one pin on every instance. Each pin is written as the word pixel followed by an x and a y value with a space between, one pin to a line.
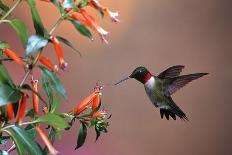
pixel 122 80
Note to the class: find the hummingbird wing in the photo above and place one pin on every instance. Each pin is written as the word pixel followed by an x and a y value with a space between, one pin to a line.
pixel 171 109
pixel 171 72
pixel 175 83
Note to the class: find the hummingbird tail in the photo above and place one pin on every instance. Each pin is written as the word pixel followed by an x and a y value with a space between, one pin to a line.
pixel 172 110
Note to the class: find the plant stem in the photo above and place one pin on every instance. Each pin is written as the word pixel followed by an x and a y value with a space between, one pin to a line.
pixel 10 10
pixel 12 125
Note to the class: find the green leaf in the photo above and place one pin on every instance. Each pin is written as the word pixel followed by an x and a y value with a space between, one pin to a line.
pixel 68 43
pixel 4 139
pixel 81 28
pixel 82 135
pixel 18 142
pixel 8 94
pixel 53 120
pixel 57 4
pixel 84 3
pixel 3 45
pixel 31 113
pixel 20 29
pixel 38 25
pixel 31 131
pixel 35 43
pixel 56 103
pixel 47 88
pixel 54 81
pixel 4 76
pixel 21 137
pixel 68 4
pixel 98 133
pixel 3 153
pixel 3 7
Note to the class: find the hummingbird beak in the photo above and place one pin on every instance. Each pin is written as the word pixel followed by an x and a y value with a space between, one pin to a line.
pixel 122 80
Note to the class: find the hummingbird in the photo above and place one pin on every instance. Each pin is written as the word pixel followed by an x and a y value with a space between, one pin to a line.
pixel 160 88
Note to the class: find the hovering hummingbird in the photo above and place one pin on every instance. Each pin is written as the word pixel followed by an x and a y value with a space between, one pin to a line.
pixel 160 88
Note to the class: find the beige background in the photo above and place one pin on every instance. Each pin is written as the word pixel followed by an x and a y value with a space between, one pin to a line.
pixel 156 34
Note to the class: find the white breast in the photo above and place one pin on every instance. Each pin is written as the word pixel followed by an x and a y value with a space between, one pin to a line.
pixel 150 84
pixel 149 88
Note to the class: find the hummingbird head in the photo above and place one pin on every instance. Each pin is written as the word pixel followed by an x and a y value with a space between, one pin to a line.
pixel 141 74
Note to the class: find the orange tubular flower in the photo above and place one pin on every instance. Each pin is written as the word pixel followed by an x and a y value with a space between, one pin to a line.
pixel 76 16
pixel 46 140
pixel 13 56
pixel 99 114
pixel 59 53
pixel 96 101
pixel 10 111
pixel 21 109
pixel 48 63
pixel 94 25
pixel 106 11
pixel 35 98
pixel 82 106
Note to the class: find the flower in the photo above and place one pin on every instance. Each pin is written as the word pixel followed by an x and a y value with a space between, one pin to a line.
pixel 59 53
pixel 11 54
pixel 94 25
pixel 10 111
pixel 106 11
pixel 21 109
pixel 89 21
pixel 99 114
pixel 83 104
pixel 96 101
pixel 35 98
pixel 46 140
pixel 48 63
pixel 77 16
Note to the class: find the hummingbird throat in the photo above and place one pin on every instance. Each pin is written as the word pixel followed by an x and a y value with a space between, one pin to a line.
pixel 146 78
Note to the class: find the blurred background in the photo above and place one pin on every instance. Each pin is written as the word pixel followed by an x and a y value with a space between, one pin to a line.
pixel 156 34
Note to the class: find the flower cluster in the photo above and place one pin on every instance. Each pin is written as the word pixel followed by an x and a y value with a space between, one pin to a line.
pixel 21 121
pixel 86 19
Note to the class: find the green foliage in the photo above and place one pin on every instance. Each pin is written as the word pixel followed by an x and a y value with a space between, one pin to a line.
pixel 3 153
pixel 81 28
pixel 4 139
pixel 23 134
pixel 82 135
pixel 54 120
pixel 4 76
pixel 8 94
pixel 3 7
pixel 35 43
pixel 21 30
pixel 55 104
pixel 39 28
pixel 47 88
pixel 68 4
pixel 68 43
pixel 3 45
pixel 23 141
pixel 53 81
